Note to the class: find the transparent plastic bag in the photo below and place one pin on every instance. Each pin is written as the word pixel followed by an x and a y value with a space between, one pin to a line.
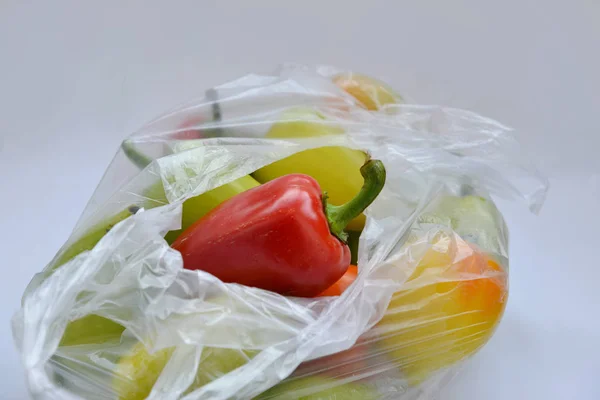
pixel 115 314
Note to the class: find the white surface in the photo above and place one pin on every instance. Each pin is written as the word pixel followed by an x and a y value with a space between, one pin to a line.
pixel 76 78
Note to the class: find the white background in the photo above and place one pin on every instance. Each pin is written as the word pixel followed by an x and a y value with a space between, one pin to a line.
pixel 77 77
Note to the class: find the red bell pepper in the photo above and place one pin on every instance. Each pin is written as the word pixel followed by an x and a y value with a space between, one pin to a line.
pixel 281 236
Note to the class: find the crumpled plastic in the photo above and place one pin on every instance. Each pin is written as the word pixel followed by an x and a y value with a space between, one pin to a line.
pixel 282 347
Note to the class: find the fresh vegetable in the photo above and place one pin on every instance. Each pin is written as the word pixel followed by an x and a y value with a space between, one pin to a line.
pixel 137 372
pixel 474 218
pixel 89 239
pixel 91 329
pixel 335 168
pixel 193 209
pixel 342 284
pixel 179 167
pixel 460 289
pixel 196 207
pixel 446 310
pixel 370 92
pixel 85 242
pixel 319 388
pixel 353 242
pixel 282 236
pixel 186 131
pixel 357 360
pixel 189 129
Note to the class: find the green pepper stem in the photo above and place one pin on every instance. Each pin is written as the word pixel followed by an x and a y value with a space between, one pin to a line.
pixel 135 156
pixel 338 217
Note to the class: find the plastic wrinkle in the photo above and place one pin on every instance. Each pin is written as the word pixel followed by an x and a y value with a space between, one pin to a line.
pixel 432 258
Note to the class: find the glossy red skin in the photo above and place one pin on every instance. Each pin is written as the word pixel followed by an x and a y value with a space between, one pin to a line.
pixel 274 237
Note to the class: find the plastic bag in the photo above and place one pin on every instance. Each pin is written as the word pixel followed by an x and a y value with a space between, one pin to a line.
pixel 115 314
